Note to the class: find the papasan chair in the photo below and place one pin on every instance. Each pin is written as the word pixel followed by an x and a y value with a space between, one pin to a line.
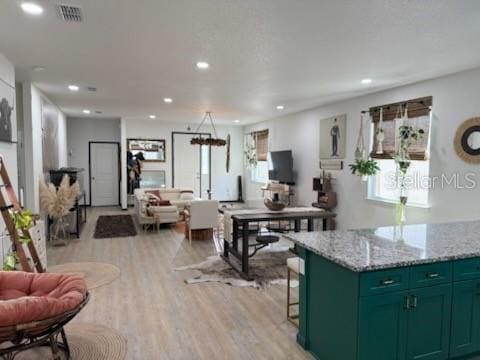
pixel 34 308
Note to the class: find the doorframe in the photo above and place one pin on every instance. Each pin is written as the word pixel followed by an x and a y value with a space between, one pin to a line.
pixel 90 168
pixel 209 157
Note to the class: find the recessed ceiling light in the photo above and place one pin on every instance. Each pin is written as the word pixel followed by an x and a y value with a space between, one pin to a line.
pixel 202 65
pixel 236 121
pixel 152 116
pixel 167 100
pixel 73 88
pixel 86 111
pixel 280 107
pixel 38 68
pixel 366 81
pixel 32 8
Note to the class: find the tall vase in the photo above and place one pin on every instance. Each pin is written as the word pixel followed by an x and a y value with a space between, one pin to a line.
pixel 400 215
pixel 58 227
pixel 401 210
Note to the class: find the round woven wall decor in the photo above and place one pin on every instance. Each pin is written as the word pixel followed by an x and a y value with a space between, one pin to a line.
pixel 461 144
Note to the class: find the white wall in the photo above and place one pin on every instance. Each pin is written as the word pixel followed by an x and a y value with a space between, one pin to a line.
pixel 224 186
pixel 32 117
pixel 455 99
pixel 80 131
pixel 8 150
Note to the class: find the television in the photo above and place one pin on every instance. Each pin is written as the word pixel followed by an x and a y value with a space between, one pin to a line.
pixel 281 166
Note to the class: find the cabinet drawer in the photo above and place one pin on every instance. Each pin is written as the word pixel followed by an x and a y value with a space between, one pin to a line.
pixel 466 269
pixel 430 274
pixel 383 281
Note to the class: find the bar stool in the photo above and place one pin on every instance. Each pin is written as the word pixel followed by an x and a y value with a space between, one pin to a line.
pixel 293 266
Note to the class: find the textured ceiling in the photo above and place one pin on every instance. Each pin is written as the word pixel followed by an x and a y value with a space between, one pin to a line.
pixel 298 53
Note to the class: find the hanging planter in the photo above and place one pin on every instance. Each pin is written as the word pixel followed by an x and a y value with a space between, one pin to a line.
pixel 250 153
pixel 363 167
pixel 360 150
pixel 407 136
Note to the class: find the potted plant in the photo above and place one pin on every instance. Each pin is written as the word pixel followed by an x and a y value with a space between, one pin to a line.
pixel 57 203
pixel 364 168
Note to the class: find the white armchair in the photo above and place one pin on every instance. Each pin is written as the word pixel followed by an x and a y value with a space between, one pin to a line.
pixel 201 214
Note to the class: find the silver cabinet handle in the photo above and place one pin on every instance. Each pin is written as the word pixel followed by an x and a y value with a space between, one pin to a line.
pixel 388 282
pixel 414 301
pixel 432 275
pixel 406 306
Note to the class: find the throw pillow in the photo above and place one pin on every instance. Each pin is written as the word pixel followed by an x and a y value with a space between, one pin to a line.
pixel 155 193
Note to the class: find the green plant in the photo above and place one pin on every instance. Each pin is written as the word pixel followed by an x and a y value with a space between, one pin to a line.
pixel 407 137
pixel 363 167
pixel 10 262
pixel 23 220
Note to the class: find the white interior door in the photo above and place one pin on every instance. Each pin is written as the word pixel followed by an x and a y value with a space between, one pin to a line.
pixel 104 174
pixel 188 168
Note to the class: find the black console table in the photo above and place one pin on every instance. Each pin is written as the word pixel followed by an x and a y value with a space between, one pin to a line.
pixel 241 230
pixel 80 216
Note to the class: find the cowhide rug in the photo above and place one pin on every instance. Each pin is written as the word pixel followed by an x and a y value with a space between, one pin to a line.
pixel 267 267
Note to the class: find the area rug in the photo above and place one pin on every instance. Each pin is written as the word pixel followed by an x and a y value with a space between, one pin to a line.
pixel 268 267
pixel 111 226
pixel 96 274
pixel 87 342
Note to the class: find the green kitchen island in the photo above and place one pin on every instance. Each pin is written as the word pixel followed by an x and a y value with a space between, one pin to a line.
pixel 391 293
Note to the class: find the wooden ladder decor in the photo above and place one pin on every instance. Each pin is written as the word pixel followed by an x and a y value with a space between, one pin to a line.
pixel 5 208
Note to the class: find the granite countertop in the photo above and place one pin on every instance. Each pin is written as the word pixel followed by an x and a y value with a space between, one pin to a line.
pixel 393 246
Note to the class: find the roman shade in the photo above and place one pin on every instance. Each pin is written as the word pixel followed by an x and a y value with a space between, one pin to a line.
pixel 418 116
pixel 261 144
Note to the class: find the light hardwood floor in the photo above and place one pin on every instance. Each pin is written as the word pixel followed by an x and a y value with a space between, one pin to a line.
pixel 162 317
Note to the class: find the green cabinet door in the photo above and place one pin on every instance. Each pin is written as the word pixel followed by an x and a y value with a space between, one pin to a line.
pixel 465 318
pixel 429 323
pixel 383 327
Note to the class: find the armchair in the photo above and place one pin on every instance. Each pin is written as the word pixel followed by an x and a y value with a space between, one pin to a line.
pixel 201 214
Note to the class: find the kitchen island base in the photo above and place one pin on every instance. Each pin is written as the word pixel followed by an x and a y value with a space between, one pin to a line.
pixel 427 311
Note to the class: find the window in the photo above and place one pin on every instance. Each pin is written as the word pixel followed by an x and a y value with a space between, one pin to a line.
pixel 259 173
pixel 383 186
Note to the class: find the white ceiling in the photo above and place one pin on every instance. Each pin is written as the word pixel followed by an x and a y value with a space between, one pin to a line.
pixel 298 53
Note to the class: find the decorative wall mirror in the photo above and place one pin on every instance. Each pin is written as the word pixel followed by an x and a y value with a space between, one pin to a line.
pixel 467 141
pixel 153 150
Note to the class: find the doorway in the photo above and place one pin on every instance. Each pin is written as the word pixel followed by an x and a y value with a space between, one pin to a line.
pixel 104 173
pixel 191 164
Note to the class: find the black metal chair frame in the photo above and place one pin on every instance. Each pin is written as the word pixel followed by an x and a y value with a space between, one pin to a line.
pixel 39 333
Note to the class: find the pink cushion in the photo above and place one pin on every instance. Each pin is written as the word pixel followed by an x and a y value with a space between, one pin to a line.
pixel 26 297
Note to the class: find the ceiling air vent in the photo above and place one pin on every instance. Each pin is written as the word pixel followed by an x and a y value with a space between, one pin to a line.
pixel 70 12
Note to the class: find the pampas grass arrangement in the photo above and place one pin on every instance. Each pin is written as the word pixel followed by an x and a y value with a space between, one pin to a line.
pixel 58 202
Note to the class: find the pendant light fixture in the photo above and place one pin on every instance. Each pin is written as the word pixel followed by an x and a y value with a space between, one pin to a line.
pixel 215 141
